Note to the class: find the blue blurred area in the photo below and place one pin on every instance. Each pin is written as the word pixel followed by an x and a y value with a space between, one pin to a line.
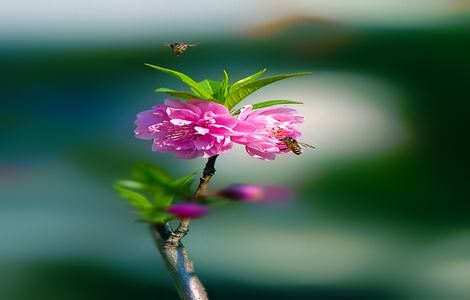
pixel 382 208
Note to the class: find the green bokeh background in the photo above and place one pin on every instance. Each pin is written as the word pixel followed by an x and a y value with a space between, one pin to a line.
pixel 380 212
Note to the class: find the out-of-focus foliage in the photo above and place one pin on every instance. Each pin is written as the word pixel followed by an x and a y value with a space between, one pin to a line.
pixel 151 190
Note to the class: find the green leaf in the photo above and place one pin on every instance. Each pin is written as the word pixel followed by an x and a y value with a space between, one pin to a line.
pixel 156 179
pixel 178 94
pixel 210 86
pixel 152 179
pixel 163 200
pixel 269 103
pixel 223 89
pixel 184 183
pixel 150 182
pixel 157 216
pixel 246 80
pixel 133 198
pixel 186 79
pixel 161 217
pixel 238 95
pixel 131 184
pixel 148 173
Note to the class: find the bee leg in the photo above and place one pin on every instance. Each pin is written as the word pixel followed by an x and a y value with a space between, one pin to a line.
pixel 283 149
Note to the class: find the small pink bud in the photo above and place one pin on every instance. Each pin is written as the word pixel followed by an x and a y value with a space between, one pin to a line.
pixel 188 210
pixel 255 193
pixel 243 192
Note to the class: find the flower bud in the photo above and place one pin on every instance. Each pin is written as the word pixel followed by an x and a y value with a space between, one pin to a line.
pixel 255 193
pixel 188 210
pixel 243 192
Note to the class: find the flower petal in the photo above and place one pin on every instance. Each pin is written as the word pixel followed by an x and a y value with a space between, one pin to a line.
pixel 260 155
pixel 204 142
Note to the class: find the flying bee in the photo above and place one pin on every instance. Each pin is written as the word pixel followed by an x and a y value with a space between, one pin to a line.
pixel 295 146
pixel 179 47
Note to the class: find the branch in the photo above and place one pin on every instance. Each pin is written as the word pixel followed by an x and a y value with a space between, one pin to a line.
pixel 174 254
pixel 183 228
pixel 179 264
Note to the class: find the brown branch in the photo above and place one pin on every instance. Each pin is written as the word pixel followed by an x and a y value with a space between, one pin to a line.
pixel 174 254
pixel 179 264
pixel 183 228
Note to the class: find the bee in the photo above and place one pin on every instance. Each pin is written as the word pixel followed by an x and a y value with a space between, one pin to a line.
pixel 295 146
pixel 179 47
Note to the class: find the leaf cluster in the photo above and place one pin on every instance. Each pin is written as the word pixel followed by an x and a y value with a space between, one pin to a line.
pixel 222 91
pixel 151 190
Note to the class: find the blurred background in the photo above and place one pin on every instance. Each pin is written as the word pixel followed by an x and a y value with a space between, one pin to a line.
pixel 382 203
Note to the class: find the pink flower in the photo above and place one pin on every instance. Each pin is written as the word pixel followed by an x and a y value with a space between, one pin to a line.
pixel 188 210
pixel 264 128
pixel 188 129
pixel 255 193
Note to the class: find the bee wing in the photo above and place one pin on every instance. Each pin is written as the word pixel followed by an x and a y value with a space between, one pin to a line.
pixel 304 145
pixel 192 44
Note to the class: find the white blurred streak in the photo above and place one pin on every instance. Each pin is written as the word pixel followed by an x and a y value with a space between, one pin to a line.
pixel 69 19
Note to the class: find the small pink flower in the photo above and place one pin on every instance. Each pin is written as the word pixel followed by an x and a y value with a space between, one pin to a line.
pixel 188 210
pixel 264 128
pixel 255 193
pixel 188 129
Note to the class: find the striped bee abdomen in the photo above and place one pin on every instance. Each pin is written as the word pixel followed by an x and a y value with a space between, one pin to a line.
pixel 296 149
pixel 293 145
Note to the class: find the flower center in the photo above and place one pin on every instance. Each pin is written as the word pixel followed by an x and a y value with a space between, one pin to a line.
pixel 174 132
pixel 278 133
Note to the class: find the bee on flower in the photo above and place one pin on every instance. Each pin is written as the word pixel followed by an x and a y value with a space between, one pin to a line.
pixel 295 146
pixel 272 131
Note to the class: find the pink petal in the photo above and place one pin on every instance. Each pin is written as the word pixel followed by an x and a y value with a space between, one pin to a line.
pixel 261 155
pixel 226 120
pixel 187 153
pixel 210 106
pixel 188 210
pixel 185 114
pixel 201 130
pixel 244 127
pixel 204 142
pixel 182 105
pixel 179 122
pixel 245 112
